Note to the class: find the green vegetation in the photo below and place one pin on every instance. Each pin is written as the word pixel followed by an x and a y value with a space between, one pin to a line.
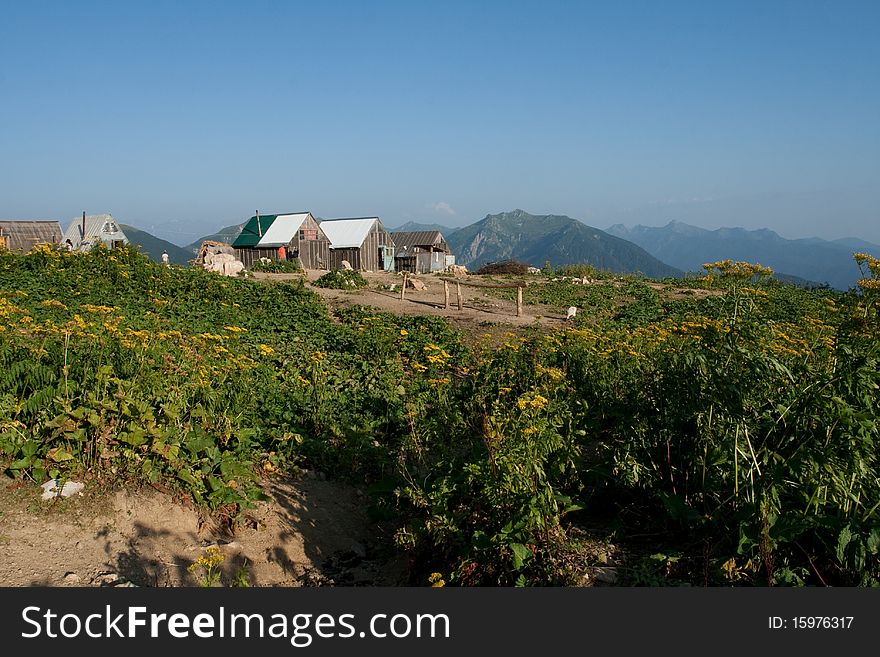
pixel 278 266
pixel 341 279
pixel 728 437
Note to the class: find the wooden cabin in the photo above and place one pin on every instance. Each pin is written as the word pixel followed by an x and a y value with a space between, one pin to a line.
pixel 421 252
pixel 299 233
pixel 363 242
pixel 22 236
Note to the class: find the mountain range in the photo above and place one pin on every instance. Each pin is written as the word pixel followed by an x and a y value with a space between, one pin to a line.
pixel 687 247
pixel 658 252
pixel 557 239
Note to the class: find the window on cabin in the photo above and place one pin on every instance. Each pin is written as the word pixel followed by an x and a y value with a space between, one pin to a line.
pixel 308 234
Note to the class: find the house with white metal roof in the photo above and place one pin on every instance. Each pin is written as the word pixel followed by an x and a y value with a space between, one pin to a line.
pixel 363 242
pixel 89 231
pixel 298 232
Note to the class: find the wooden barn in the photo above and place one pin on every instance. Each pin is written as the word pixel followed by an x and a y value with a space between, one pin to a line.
pixel 91 230
pixel 22 236
pixel 421 252
pixel 298 232
pixel 362 242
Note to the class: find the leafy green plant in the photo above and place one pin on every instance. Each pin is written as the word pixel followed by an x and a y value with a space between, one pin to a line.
pixel 278 266
pixel 341 279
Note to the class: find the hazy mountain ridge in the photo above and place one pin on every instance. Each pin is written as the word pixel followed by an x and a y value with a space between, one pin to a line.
pixel 688 247
pixel 557 239
pixel 154 246
pixel 226 234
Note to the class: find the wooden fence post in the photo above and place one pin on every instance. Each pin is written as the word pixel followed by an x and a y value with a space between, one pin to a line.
pixel 458 293
pixel 446 295
pixel 519 301
pixel 403 287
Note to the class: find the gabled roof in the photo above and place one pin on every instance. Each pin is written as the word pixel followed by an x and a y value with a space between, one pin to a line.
pixel 272 229
pixel 348 233
pixel 406 241
pixel 24 235
pixel 99 227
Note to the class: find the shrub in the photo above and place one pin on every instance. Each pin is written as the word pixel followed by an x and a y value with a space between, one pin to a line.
pixel 341 279
pixel 277 266
pixel 504 267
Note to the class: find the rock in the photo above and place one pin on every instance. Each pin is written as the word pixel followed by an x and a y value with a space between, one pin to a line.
pixel 71 578
pixel 106 579
pixel 572 312
pixel 232 268
pixel 359 550
pixel 346 264
pixel 605 575
pixel 534 270
pixel 51 490
pixel 416 284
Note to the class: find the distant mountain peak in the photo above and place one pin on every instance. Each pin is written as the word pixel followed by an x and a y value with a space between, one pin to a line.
pixel 557 239
pixel 687 247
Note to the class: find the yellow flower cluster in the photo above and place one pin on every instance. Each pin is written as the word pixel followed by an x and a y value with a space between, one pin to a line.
pixel 101 310
pixel 730 269
pixel 535 402
pixel 436 355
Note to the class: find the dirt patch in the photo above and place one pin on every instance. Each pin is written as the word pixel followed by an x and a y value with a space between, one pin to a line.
pixel 312 532
pixel 481 313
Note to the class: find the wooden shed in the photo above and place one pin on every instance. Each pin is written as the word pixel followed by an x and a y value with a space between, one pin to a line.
pixel 363 242
pixel 298 232
pixel 421 252
pixel 22 236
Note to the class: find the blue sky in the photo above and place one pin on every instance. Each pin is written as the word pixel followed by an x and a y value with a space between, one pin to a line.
pixel 182 117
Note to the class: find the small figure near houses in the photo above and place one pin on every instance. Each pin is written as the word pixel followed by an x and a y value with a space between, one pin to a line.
pixel 165 258
pixel 282 253
pixel 68 246
pixel 572 312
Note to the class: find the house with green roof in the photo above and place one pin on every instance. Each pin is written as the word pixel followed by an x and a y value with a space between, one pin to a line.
pixel 298 232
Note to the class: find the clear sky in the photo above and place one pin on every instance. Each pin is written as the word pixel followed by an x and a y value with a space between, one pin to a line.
pixel 182 117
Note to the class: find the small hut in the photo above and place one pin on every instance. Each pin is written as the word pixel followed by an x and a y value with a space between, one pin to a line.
pixel 421 252
pixel 90 230
pixel 22 236
pixel 299 234
pixel 362 242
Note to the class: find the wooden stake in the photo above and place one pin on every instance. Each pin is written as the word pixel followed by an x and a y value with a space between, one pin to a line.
pixel 458 293
pixel 445 295
pixel 519 302
pixel 403 287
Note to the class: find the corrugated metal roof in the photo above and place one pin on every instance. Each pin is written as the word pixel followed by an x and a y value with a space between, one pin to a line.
pixel 99 228
pixel 252 233
pixel 282 229
pixel 406 241
pixel 24 235
pixel 347 233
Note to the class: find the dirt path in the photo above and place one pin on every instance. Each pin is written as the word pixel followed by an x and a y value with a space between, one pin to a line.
pixel 314 532
pixel 477 306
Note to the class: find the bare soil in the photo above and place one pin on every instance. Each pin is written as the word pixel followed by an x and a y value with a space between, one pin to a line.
pixel 313 532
